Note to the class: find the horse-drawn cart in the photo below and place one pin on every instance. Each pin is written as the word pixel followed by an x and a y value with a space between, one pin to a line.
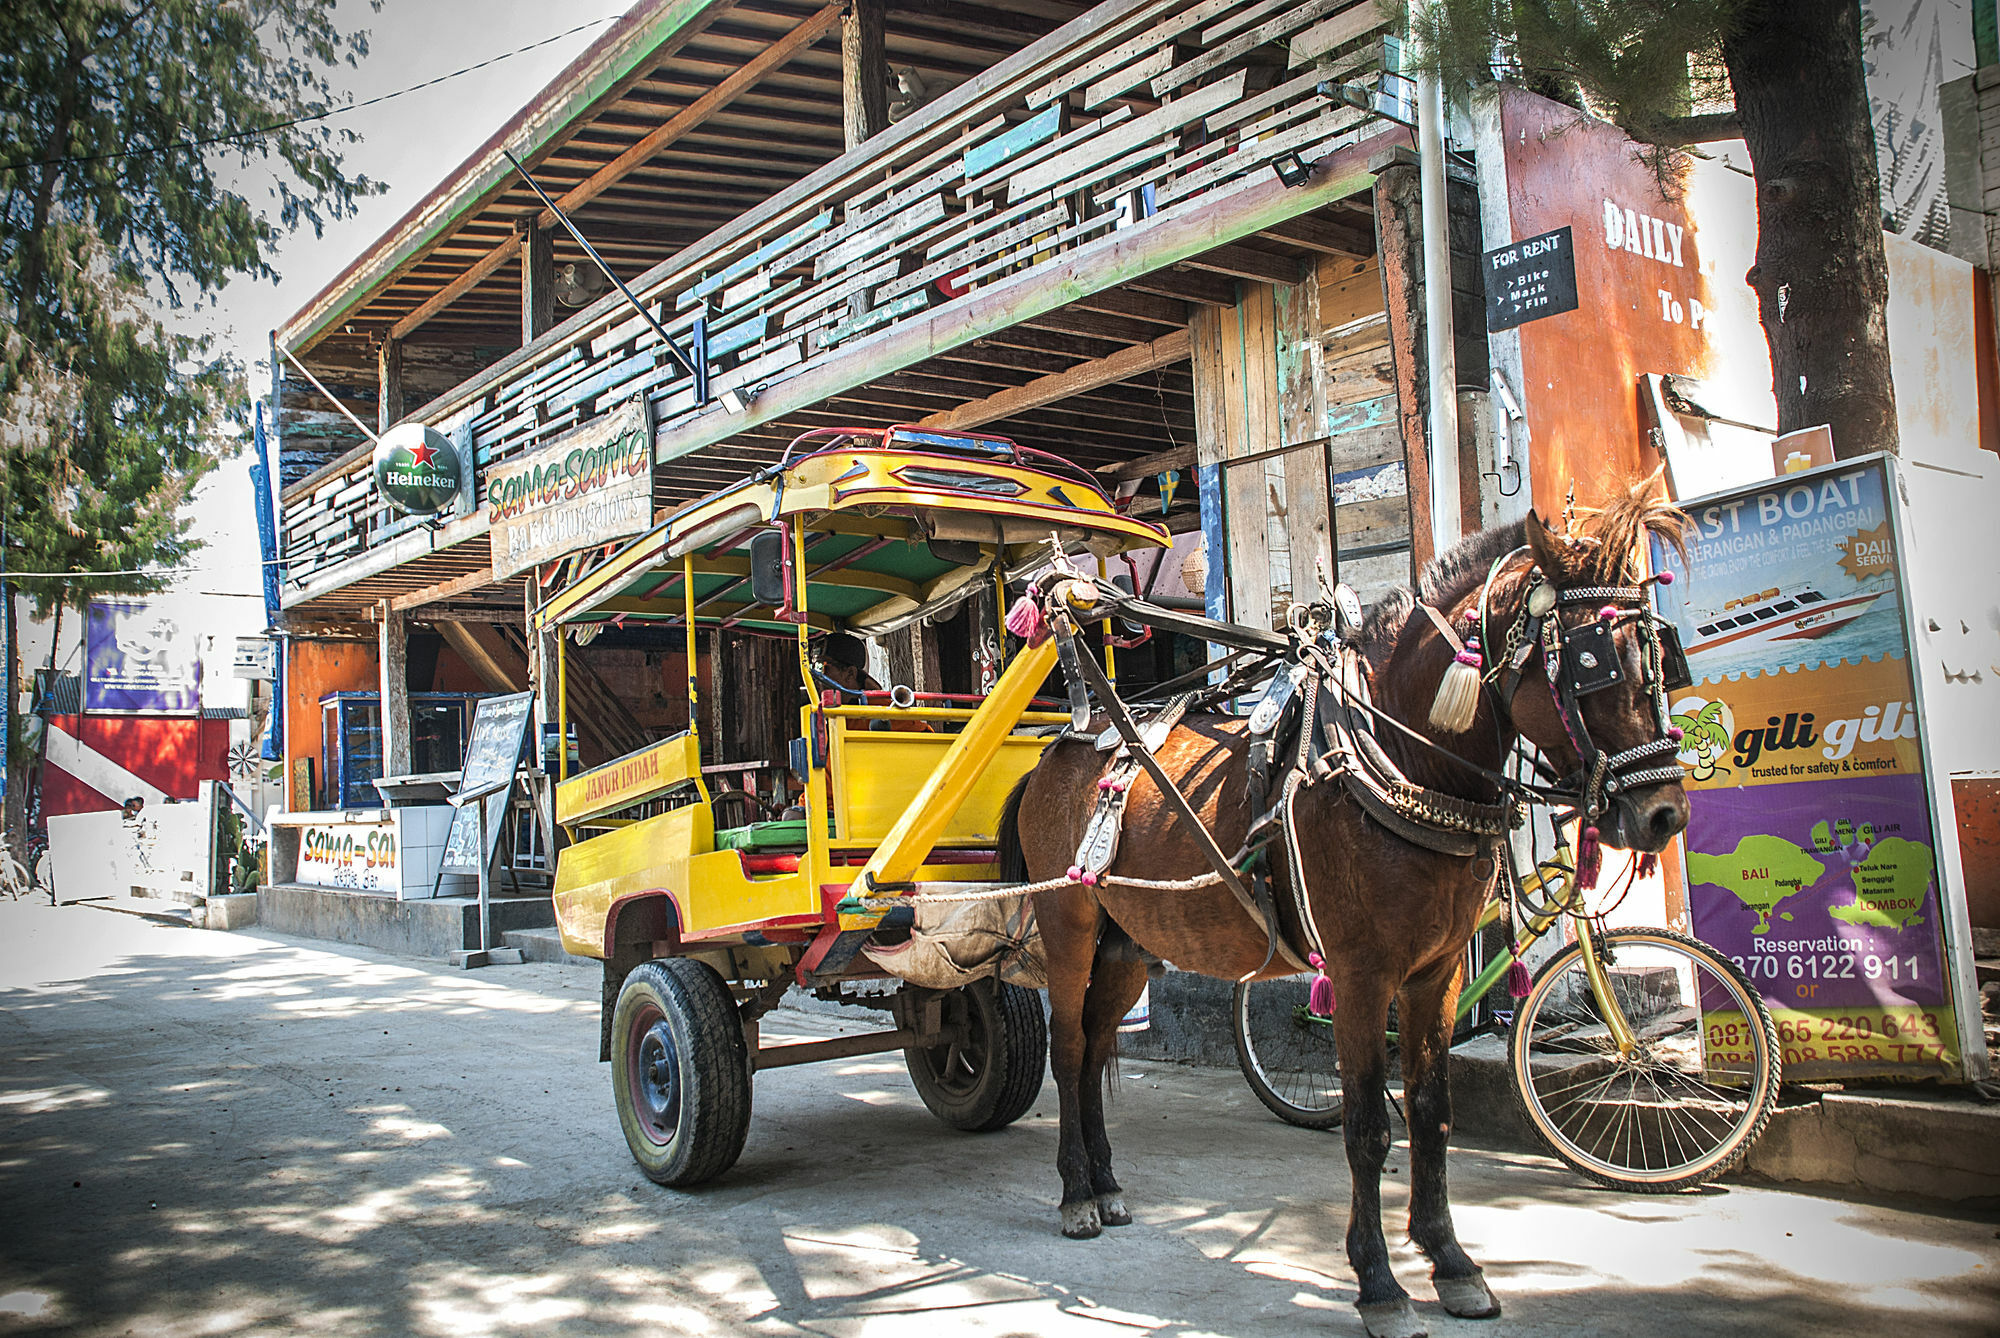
pixel 703 925
pixel 966 850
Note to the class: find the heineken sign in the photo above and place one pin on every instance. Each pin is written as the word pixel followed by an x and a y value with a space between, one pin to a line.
pixel 583 489
pixel 416 469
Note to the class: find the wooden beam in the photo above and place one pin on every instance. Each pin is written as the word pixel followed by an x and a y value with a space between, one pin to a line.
pixel 465 613
pixel 690 116
pixel 1316 232
pixel 864 71
pixel 696 112
pixel 431 594
pixel 388 384
pixel 395 704
pixel 1122 365
pixel 1180 457
pixel 457 288
pixel 538 283
pixel 1245 262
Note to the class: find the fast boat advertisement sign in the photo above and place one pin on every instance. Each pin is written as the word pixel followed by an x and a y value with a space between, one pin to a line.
pixel 1811 857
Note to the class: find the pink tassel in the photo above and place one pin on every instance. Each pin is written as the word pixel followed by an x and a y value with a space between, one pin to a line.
pixel 1319 1000
pixel 1649 864
pixel 1025 620
pixel 1518 983
pixel 1589 859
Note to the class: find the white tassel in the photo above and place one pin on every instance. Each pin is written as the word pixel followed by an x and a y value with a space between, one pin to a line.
pixel 1457 702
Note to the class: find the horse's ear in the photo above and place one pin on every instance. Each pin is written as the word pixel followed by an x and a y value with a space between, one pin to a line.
pixel 1550 552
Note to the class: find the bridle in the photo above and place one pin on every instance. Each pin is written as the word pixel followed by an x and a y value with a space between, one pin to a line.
pixel 1579 659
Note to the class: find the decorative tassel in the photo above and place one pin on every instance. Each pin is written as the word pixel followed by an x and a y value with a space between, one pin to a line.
pixel 1518 983
pixel 1025 620
pixel 1457 700
pixel 1589 859
pixel 1649 864
pixel 1319 1000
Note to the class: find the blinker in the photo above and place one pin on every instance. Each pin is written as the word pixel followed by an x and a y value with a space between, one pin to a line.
pixel 1674 671
pixel 1590 658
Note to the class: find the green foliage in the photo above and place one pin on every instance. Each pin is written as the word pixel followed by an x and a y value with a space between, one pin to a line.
pixel 1642 64
pixel 108 418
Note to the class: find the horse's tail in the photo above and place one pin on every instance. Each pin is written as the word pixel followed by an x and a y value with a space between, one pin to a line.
pixel 1013 863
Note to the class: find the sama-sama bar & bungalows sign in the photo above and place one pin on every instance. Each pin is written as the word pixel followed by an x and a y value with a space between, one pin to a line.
pixel 588 487
pixel 1811 859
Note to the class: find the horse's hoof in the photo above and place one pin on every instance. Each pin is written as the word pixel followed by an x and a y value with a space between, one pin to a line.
pixel 1467 1297
pixel 1392 1319
pixel 1111 1210
pixel 1080 1220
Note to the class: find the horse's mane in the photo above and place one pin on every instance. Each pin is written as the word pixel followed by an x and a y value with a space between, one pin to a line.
pixel 1445 580
pixel 1602 550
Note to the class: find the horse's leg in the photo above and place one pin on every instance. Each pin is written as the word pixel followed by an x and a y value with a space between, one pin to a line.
pixel 1361 1025
pixel 1069 923
pixel 1429 1000
pixel 1115 983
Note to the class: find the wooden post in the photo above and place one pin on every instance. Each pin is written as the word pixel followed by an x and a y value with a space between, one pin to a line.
pixel 395 642
pixel 864 71
pixel 538 281
pixel 388 384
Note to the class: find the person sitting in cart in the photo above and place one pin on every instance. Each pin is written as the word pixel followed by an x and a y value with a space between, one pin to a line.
pixel 844 665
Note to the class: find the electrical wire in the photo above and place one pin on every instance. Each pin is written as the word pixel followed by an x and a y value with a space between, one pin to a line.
pixel 273 128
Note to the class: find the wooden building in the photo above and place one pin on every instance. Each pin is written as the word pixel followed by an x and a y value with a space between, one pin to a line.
pixel 1145 235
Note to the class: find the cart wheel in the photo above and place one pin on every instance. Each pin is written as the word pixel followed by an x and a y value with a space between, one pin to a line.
pixel 680 1071
pixel 988 1080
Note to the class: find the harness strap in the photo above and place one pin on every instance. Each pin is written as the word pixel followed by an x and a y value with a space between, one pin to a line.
pixel 1121 720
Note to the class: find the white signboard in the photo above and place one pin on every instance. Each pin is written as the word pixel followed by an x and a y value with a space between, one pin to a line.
pixel 589 487
pixel 359 856
pixel 256 657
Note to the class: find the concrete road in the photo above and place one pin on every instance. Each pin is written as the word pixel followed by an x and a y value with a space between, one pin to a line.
pixel 206 1133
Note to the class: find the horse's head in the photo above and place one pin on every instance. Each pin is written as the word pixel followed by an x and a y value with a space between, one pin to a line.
pixel 1582 667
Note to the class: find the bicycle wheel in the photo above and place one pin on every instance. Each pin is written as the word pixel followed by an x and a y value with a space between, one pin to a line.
pixel 1286 1054
pixel 1695 1091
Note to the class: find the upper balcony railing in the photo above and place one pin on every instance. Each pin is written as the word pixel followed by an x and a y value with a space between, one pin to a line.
pixel 1117 124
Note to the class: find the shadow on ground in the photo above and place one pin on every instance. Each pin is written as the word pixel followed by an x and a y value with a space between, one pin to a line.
pixel 230 1135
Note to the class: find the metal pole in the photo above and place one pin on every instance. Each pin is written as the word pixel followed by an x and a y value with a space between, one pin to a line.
pixel 1440 357
pixel 690 365
pixel 485 880
pixel 366 430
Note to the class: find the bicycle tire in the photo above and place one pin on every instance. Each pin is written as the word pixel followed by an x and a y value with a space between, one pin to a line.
pixel 1678 1111
pixel 1288 1058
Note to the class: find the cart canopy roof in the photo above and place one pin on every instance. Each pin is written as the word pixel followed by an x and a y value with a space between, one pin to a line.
pixel 897 524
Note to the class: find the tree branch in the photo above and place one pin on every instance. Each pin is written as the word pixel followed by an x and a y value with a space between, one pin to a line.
pixel 1678 131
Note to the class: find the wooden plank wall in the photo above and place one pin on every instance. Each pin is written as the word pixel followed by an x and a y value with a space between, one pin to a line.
pixel 1295 407
pixel 1133 112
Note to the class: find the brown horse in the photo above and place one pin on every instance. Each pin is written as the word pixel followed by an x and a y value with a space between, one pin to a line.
pixel 1395 917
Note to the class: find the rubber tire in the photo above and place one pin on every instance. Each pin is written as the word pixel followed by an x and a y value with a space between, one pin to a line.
pixel 1007 1052
pixel 684 1007
pixel 1327 1116
pixel 1766 1080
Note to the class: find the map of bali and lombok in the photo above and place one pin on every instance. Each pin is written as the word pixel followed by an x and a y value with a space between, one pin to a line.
pixel 1810 858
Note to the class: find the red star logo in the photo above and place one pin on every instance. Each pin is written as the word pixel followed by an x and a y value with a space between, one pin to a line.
pixel 421 453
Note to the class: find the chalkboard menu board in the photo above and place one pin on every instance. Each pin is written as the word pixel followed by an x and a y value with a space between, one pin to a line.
pixel 1530 279
pixel 499 730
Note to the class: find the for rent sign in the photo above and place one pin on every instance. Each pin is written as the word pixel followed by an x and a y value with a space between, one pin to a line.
pixel 589 487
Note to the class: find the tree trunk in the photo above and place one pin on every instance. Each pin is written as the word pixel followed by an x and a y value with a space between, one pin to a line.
pixel 1822 276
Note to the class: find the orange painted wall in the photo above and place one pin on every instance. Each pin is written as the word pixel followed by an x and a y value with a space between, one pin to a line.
pixel 1581 368
pixel 314 669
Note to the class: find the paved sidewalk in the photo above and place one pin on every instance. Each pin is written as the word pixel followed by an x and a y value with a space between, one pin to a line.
pixel 206 1133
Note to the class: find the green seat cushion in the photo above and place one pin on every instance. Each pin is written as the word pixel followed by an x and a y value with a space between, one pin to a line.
pixel 763 836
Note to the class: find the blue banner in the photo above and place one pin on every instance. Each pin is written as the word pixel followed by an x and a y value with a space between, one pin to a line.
pixel 138 659
pixel 272 746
